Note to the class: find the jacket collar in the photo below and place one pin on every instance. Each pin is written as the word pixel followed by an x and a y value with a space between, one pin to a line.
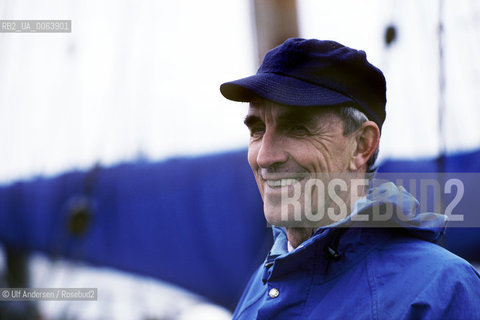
pixel 353 235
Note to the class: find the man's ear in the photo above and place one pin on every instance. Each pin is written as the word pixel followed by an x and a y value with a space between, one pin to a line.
pixel 368 138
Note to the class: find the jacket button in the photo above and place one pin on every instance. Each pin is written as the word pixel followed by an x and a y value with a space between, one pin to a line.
pixel 273 293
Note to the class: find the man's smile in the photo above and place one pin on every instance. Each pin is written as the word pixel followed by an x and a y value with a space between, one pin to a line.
pixel 281 183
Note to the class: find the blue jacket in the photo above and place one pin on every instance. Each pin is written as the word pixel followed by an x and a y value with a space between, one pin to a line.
pixel 361 272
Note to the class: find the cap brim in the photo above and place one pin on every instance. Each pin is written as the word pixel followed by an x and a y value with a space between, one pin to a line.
pixel 281 89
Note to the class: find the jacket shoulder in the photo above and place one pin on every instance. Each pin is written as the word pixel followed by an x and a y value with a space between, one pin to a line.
pixel 419 279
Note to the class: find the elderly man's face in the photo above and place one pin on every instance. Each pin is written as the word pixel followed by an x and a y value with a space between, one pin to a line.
pixel 290 146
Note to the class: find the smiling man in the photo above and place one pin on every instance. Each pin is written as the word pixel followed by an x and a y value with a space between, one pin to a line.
pixel 295 155
pixel 315 117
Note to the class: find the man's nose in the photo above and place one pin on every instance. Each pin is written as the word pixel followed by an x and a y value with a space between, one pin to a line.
pixel 272 150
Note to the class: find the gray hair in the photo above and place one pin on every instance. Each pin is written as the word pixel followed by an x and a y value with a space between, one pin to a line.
pixel 352 121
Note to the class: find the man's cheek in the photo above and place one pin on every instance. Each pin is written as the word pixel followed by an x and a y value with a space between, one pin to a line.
pixel 260 186
pixel 252 154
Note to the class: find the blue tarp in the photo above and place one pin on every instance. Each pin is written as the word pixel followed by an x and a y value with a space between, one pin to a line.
pixel 195 222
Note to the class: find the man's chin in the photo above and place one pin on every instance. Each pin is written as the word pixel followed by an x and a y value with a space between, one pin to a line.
pixel 275 216
pixel 286 219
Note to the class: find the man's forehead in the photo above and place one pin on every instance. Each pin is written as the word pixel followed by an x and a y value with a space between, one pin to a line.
pixel 287 112
pixel 258 107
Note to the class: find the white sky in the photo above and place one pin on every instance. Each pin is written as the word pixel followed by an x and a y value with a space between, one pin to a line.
pixel 141 78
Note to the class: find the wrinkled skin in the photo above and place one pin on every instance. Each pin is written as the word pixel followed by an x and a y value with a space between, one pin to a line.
pixel 290 146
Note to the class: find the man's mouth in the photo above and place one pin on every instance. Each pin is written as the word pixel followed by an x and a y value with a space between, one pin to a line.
pixel 281 183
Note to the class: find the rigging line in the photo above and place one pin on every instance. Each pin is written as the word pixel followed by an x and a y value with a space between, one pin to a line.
pixel 441 91
pixel 441 104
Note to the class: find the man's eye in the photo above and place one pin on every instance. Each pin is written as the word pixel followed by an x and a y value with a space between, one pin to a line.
pixel 256 132
pixel 299 130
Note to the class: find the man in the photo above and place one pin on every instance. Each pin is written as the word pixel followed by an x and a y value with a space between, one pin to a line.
pixel 315 117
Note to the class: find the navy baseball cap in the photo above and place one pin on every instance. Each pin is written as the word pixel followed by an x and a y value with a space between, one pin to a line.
pixel 313 72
